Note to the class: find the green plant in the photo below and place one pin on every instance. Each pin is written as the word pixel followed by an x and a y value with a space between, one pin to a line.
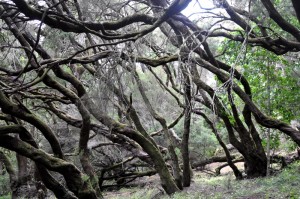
pixel 6 196
pixel 4 185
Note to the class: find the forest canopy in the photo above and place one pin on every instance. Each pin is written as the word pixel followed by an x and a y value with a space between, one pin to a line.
pixel 95 94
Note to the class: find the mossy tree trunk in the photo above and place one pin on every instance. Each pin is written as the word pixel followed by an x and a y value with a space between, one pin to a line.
pixel 249 143
pixel 186 131
pixel 166 178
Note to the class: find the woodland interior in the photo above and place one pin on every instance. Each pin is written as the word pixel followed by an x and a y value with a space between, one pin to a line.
pixel 97 95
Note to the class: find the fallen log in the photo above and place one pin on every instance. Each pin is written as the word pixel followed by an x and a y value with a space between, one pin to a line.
pixel 211 160
pixel 123 180
pixel 283 160
pixel 218 169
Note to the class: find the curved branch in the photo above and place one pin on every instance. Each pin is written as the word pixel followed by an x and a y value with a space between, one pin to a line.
pixel 71 174
pixel 276 16
pixel 18 111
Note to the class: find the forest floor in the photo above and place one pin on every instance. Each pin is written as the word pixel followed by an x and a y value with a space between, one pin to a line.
pixel 284 184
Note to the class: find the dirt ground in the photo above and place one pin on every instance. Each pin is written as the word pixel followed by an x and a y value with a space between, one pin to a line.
pixel 282 185
pixel 152 182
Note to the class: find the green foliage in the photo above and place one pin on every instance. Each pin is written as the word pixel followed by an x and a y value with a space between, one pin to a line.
pixel 4 185
pixel 274 141
pixel 202 139
pixel 274 82
pixel 271 77
pixel 61 38
pixel 4 177
pixel 3 37
pixel 6 197
pixel 289 145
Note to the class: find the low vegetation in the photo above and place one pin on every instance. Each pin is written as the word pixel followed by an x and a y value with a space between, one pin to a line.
pixel 284 184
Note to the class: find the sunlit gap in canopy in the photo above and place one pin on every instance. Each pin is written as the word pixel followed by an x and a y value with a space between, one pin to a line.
pixel 194 11
pixel 196 6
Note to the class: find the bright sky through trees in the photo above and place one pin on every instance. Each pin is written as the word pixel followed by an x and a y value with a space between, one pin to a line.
pixel 195 6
